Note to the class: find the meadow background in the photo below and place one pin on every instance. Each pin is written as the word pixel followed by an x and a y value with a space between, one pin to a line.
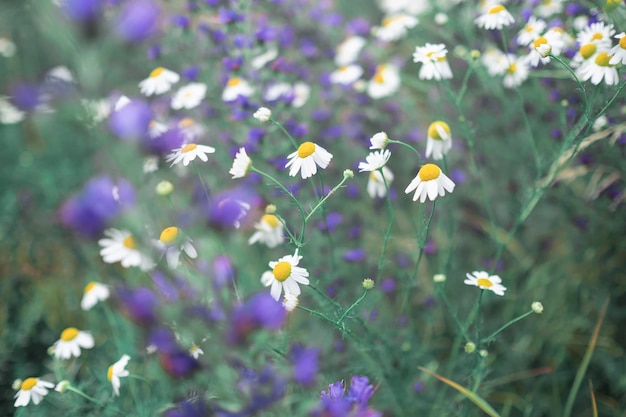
pixel 539 201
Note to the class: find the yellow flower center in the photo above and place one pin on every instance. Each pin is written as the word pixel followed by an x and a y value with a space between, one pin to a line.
pixel 28 384
pixel 622 42
pixel 129 242
pixel 512 68
pixel 496 9
pixel 378 76
pixel 110 373
pixel 69 334
pixel 586 51
pixel 597 36
pixel 188 148
pixel 603 59
pixel 373 176
pixel 434 133
pixel 539 41
pixel 169 234
pixel 390 20
pixel 529 28
pixel 233 82
pixel 281 271
pixel 306 149
pixel 186 122
pixel 429 172
pixel 343 68
pixel 270 220
pixel 484 282
pixel 156 72
pixel 90 286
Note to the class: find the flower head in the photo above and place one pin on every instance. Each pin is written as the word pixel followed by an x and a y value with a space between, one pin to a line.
pixel 159 81
pixel 263 114
pixel 285 275
pixel 439 140
pixel 537 307
pixel 346 74
pixel 269 230
pixel 117 371
pixel 483 280
pixel 70 343
pixel 188 153
pixel 241 164
pixel 172 245
pixel 385 82
pixel 306 160
pixel 375 160
pixel 93 293
pixel 120 246
pixel 32 389
pixel 236 87
pixel 434 62
pixel 379 140
pixel 348 51
pixel 496 17
pixel 430 182
pixel 531 30
pixel 394 27
pixel 619 50
pixel 376 183
pixel 189 96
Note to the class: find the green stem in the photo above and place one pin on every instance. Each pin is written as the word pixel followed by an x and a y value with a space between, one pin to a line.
pixel 389 227
pixel 349 309
pixel 580 84
pixel 406 145
pixel 323 200
pixel 515 320
pixel 85 396
pixel 204 186
pixel 282 128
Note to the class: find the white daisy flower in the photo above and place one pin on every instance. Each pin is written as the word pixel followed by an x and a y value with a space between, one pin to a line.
pixel 495 61
pixel 117 371
pixel 413 7
pixel 236 87
pixel 306 160
pixel 346 75
pixel 376 183
pixel 241 164
pixel 159 81
pixel 394 27
pixel 531 31
pixel 70 343
pixel 120 246
pixel 517 72
pixel 539 51
pixel 189 96
pixel 375 160
pixel 9 114
pixel 348 51
pixel 483 280
pixel 32 389
pixel 434 62
pixel 290 302
pixel 547 8
pixel 285 275
pixel 263 59
pixel 379 140
pixel 156 129
pixel 619 50
pixel 263 114
pixel 121 102
pixel 7 47
pixel 277 91
pixel 301 92
pixel 195 351
pixel 173 246
pixel 188 153
pixel 598 68
pixel 385 82
pixel 190 129
pixel 439 140
pixel 150 164
pixel 496 17
pixel 430 182
pixel 269 231
pixel 597 33
pixel 93 293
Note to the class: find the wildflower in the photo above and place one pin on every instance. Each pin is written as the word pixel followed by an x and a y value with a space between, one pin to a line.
pixel 375 160
pixel 150 164
pixel 441 18
pixel 470 347
pixel 385 82
pixel 483 280
pixel 285 275
pixel 120 246
pixel 531 30
pixel 32 389
pixel 516 73
pixel 439 140
pixel 347 174
pixel 241 164
pixel 269 230
pixel 496 17
pixel 173 245
pixel 305 363
pixel 263 114
pixel 306 159
pixel 368 283
pixel 189 96
pixel 117 371
pixel 263 59
pixel 9 114
pixel 434 62
pixel 290 302
pixel 619 50
pixel 62 386
pixel 188 153
pixel 439 278
pixel 430 182
pixel 348 51
pixel 70 343
pixel 379 140
pixel 195 351
pixel 159 81
pixel 495 61
pixel 394 27
pixel 537 307
pixel 547 8
pixel 278 91
pixel 597 33
pixel 259 311
pixel 558 40
pixel 346 75
pixel 336 402
pixel 407 6
pixel 7 47
pixel 164 188
pixel 597 68
pixel 236 87
pixel 190 129
pixel 483 353
pixel 301 92
pixel 376 183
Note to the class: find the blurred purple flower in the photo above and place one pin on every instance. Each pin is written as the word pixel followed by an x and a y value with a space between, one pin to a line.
pixel 358 27
pixel 224 271
pixel 355 255
pixel 388 285
pixel 334 402
pixel 304 361
pixel 168 290
pixel 228 16
pixel 132 120
pixel 25 96
pixel 164 144
pixel 81 10
pixel 138 304
pixel 138 20
pixel 260 311
pixel 178 363
pixel 332 221
pixel 229 209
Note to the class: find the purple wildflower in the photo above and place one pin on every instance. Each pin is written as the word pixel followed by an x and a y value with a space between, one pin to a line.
pixel 305 363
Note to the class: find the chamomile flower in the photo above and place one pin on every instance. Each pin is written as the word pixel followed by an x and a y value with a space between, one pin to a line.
pixel 430 182
pixel 290 302
pixel 375 160
pixel 598 68
pixel 495 61
pixel 394 27
pixel 32 389
pixel 540 48
pixel 263 114
pixel 269 231
pixel 346 75
pixel 263 59
pixel 241 164
pixel 496 17
pixel 531 31
pixel 236 87
pixel 159 81
pixel 188 153
pixel 558 40
pixel 379 140
pixel 619 50
pixel 439 140
pixel 483 280
pixel 348 51
pixel 156 129
pixel 306 160
pixel 195 351
pixel 9 114
pixel 301 94
pixel 285 275
pixel 117 371
pixel 189 96
pixel 70 343
pixel 517 72
pixel 150 164
pixel 597 33
pixel 7 47
pixel 413 7
pixel 385 82
pixel 120 246
pixel 376 183
pixel 547 8
pixel 434 62
pixel 278 91
pixel 190 129
pixel 172 243
pixel 93 293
